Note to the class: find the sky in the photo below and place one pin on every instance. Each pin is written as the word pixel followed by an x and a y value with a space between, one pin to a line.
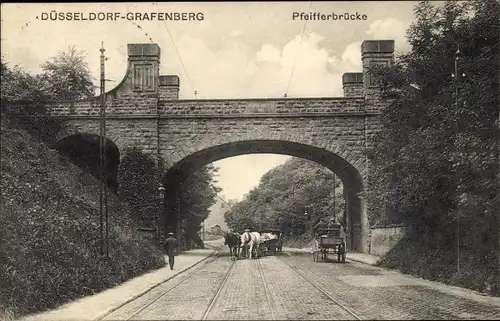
pixel 238 50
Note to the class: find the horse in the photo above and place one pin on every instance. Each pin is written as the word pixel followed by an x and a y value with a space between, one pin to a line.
pixel 233 241
pixel 251 239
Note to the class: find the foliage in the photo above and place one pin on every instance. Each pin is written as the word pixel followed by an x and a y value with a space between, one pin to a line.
pixel 138 186
pixel 67 76
pixel 139 179
pixel 435 162
pixel 198 193
pixel 16 84
pixel 49 230
pixel 283 196
pixel 64 77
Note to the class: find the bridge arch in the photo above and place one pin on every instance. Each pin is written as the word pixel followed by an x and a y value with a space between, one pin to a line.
pixel 351 177
pixel 83 150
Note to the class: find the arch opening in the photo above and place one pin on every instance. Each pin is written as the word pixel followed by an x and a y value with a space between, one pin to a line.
pixel 357 223
pixel 83 150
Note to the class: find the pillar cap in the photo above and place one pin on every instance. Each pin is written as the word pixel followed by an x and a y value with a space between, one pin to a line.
pixel 169 80
pixel 377 46
pixel 143 50
pixel 352 78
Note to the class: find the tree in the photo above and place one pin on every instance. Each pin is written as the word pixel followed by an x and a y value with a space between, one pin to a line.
pixel 64 77
pixel 16 84
pixel 435 161
pixel 67 76
pixel 284 194
pixel 198 194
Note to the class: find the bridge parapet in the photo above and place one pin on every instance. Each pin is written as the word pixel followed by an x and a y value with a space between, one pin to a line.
pixel 283 106
pixel 136 104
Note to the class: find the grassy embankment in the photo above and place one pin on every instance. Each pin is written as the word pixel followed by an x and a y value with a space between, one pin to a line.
pixel 418 258
pixel 49 230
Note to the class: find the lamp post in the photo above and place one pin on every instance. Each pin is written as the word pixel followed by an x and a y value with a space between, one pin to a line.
pixel 178 218
pixel 159 228
pixel 309 223
pixel 334 205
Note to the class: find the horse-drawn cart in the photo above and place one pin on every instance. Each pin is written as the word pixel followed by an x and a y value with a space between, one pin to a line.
pixel 270 240
pixel 329 241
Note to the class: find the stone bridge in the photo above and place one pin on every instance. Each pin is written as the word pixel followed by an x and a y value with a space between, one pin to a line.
pixel 144 111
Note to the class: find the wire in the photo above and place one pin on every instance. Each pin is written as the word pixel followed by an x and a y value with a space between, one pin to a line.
pixel 297 54
pixel 177 51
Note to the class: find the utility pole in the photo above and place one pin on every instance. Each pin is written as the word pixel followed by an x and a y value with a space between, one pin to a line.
pixel 103 173
pixel 498 198
pixel 101 155
pixel 457 81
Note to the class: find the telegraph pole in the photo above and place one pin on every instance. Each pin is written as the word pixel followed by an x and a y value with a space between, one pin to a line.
pixel 457 81
pixel 103 173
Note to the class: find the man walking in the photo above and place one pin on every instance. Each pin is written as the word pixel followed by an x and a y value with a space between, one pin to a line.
pixel 171 249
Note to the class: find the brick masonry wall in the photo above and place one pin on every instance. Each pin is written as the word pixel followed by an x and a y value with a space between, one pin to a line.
pixel 257 106
pixel 353 90
pixel 342 135
pixel 169 93
pixel 125 133
pixel 179 137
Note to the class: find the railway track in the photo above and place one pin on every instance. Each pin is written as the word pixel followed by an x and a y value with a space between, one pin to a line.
pixel 319 288
pixel 268 293
pixel 219 290
pixel 184 279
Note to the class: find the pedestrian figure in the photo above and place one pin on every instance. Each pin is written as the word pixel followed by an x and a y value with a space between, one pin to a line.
pixel 171 249
pixel 322 224
pixel 333 221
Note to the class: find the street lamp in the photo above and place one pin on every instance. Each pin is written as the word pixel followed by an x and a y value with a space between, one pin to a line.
pixel 161 196
pixel 309 223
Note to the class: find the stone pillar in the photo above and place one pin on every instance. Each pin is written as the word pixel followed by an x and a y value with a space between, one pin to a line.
pixel 352 82
pixel 169 87
pixel 144 67
pixel 374 53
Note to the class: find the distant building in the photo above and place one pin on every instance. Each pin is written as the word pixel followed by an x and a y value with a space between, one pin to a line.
pixel 215 229
pixel 216 216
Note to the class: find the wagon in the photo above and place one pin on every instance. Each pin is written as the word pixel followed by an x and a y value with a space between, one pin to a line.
pixel 329 241
pixel 271 246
